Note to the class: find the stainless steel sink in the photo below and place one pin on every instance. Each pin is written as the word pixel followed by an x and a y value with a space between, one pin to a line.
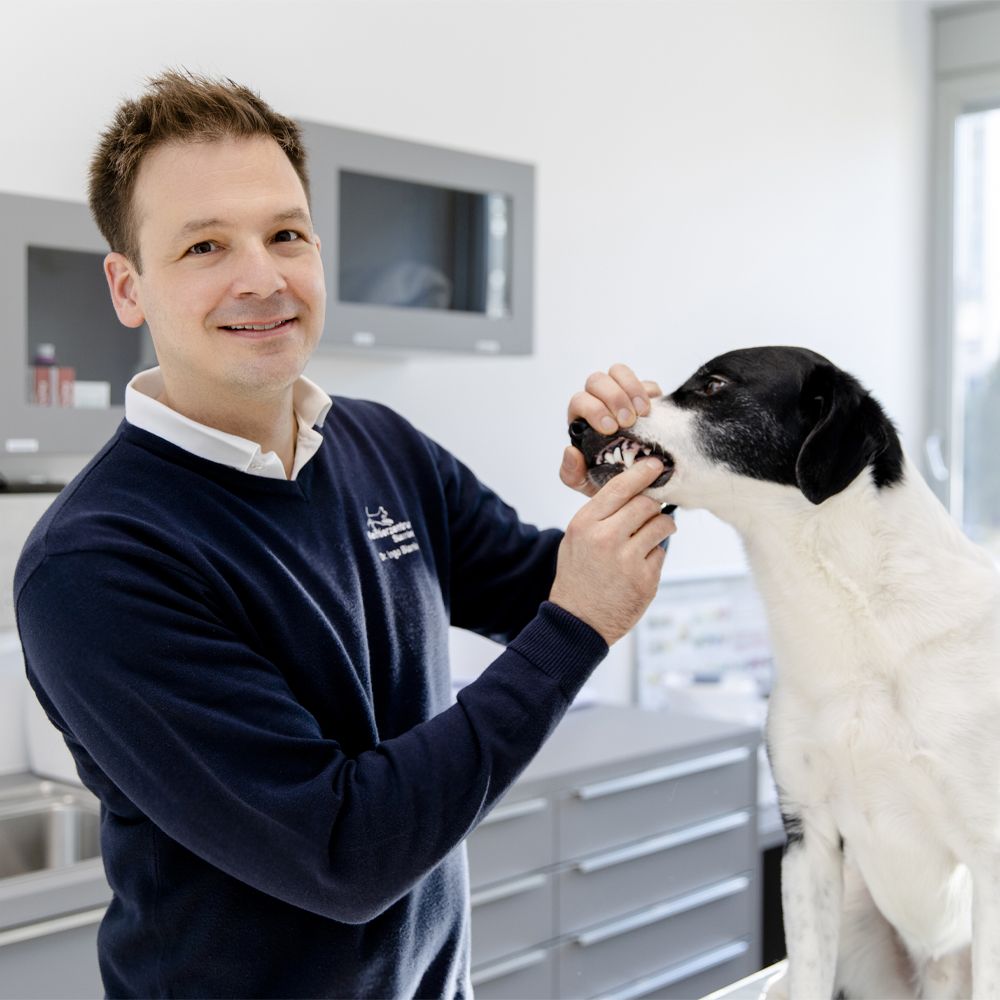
pixel 45 825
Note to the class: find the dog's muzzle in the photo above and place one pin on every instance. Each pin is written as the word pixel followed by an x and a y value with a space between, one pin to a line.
pixel 608 456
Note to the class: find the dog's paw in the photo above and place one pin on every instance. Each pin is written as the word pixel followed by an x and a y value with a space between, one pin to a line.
pixel 776 988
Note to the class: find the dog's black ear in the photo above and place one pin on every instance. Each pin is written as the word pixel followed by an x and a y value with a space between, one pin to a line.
pixel 849 431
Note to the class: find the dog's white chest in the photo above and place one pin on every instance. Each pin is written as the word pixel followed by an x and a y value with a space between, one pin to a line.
pixel 859 758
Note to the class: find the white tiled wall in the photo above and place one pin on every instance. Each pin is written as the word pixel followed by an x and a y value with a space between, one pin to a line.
pixel 13 691
pixel 18 514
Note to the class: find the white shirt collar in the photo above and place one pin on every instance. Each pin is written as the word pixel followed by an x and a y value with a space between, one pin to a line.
pixel 144 410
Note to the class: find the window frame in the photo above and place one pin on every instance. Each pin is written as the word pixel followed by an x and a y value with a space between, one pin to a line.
pixel 966 79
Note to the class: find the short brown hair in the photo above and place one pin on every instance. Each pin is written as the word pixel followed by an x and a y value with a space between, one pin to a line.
pixel 178 106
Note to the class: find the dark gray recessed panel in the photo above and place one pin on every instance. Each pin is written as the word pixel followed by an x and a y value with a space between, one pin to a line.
pixel 424 248
pixel 54 292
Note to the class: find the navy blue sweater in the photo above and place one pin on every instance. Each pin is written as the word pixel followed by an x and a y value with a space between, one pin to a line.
pixel 252 676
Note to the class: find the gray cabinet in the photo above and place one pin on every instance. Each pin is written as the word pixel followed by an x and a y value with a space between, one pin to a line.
pixel 52 958
pixel 55 292
pixel 424 247
pixel 623 863
pixel 53 893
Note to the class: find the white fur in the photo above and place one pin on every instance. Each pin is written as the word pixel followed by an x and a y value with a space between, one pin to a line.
pixel 883 727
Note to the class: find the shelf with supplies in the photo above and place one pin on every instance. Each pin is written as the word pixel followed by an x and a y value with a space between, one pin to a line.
pixel 65 359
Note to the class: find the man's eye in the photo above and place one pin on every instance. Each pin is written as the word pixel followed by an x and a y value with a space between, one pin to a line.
pixel 714 384
pixel 200 249
pixel 287 236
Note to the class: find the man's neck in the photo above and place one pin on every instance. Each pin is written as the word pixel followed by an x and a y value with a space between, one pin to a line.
pixel 268 421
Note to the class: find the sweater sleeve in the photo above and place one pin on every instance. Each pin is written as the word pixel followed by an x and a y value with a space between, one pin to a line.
pixel 501 568
pixel 202 734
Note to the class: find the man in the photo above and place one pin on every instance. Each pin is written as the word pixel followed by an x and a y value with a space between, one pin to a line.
pixel 237 614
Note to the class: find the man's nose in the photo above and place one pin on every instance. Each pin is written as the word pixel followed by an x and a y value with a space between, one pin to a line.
pixel 257 273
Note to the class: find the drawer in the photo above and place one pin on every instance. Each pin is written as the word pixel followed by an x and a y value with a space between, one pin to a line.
pixel 600 815
pixel 52 958
pixel 512 916
pixel 625 879
pixel 695 977
pixel 604 957
pixel 528 976
pixel 514 838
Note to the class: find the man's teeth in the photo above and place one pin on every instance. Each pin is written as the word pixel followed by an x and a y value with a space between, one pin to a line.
pixel 257 326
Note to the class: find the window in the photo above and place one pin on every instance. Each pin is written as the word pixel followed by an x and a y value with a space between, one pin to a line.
pixel 975 334
pixel 963 456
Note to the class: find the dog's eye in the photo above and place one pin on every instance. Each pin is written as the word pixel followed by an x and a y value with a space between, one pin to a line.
pixel 714 384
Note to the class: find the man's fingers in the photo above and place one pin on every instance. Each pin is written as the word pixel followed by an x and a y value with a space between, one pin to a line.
pixel 612 399
pixel 573 471
pixel 592 406
pixel 618 491
pixel 635 390
pixel 659 527
pixel 633 515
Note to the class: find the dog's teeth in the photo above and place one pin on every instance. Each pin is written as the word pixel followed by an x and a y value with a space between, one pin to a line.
pixel 629 457
pixel 647 451
pixel 618 456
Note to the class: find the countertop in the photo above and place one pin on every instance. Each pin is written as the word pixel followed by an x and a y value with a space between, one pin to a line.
pixel 749 988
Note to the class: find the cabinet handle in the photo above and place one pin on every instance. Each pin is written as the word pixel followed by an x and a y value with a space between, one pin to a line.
pixel 654 914
pixel 515 810
pixel 68 923
pixel 680 972
pixel 664 842
pixel 506 890
pixel 490 972
pixel 657 774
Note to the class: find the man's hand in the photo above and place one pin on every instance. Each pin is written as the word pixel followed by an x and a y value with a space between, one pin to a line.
pixel 610 559
pixel 609 401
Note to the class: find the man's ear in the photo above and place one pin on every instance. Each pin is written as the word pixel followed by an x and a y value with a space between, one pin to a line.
pixel 121 275
pixel 848 432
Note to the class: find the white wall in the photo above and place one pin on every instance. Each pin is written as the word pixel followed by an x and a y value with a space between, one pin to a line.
pixel 709 175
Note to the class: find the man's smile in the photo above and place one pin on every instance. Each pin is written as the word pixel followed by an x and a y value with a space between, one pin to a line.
pixel 258 331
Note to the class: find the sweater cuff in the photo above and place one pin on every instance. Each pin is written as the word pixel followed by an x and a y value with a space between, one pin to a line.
pixel 562 646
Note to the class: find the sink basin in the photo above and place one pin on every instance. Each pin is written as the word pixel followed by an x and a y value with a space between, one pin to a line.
pixel 44 826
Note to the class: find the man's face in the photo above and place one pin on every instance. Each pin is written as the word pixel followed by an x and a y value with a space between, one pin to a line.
pixel 226 241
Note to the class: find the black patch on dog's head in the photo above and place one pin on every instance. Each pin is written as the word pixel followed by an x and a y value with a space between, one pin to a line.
pixel 787 415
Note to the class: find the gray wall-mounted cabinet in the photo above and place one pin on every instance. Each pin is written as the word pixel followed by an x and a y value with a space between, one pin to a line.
pixel 54 292
pixel 425 248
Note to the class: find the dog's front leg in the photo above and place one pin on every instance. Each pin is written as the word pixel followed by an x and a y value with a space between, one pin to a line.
pixel 812 886
pixel 986 929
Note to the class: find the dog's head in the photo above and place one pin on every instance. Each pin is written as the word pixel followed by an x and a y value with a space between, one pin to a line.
pixel 779 415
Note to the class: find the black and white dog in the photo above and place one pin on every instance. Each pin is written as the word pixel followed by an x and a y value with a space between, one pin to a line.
pixel 884 722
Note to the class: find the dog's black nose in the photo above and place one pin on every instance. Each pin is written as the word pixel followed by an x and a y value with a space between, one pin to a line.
pixel 576 431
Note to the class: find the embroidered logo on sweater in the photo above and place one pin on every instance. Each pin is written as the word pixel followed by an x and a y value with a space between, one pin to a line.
pixel 393 539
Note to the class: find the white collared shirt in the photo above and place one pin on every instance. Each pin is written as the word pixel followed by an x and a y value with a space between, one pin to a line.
pixel 144 410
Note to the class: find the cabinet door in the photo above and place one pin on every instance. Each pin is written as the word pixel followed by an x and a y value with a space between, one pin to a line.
pixel 52 959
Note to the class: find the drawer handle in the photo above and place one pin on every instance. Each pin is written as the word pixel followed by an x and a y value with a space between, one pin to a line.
pixel 515 810
pixel 678 973
pixel 68 923
pixel 506 890
pixel 652 777
pixel 508 966
pixel 664 842
pixel 654 914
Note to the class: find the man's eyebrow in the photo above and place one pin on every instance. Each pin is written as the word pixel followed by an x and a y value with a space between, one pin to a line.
pixel 197 225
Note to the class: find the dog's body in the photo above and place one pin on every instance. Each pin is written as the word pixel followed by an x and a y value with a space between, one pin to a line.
pixel 884 721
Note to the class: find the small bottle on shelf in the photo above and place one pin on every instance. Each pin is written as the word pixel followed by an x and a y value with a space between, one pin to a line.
pixel 45 382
